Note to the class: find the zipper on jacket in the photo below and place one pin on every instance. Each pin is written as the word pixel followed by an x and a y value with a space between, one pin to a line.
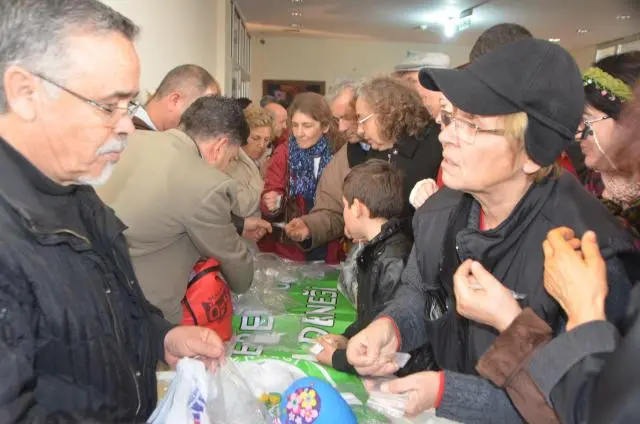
pixel 135 378
pixel 119 341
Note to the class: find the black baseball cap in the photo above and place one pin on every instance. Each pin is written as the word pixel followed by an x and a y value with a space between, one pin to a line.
pixel 533 76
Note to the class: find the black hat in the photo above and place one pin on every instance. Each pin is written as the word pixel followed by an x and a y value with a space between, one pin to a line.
pixel 532 76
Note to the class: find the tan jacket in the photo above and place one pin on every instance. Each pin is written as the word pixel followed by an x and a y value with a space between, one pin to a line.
pixel 250 183
pixel 325 220
pixel 178 208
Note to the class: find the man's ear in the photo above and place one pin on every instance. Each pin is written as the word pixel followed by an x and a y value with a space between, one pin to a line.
pixel 174 100
pixel 21 92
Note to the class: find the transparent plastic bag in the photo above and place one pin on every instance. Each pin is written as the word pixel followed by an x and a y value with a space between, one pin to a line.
pixel 348 279
pixel 231 400
pixel 197 395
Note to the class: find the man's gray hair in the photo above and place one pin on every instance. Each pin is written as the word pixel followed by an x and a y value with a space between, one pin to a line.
pixel 339 86
pixel 33 34
pixel 267 100
pixel 210 117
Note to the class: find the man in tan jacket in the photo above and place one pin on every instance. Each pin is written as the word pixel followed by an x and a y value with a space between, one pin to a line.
pixel 170 190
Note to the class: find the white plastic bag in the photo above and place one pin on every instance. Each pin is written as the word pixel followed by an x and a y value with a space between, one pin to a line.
pixel 199 396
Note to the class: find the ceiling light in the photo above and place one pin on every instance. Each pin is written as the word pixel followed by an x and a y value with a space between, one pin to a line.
pixel 449 28
pixel 623 17
pixel 554 40
pixel 424 27
pixel 297 1
pixel 582 31
pixel 296 13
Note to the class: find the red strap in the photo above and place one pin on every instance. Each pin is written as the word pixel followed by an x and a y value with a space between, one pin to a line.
pixel 482 224
pixel 440 391
pixel 439 181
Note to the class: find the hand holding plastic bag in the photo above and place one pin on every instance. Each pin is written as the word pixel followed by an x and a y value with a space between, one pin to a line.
pixel 199 396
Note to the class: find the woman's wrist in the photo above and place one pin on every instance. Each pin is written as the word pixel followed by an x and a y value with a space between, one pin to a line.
pixel 507 317
pixel 592 312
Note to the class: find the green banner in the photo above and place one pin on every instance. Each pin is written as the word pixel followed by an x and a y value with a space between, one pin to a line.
pixel 311 308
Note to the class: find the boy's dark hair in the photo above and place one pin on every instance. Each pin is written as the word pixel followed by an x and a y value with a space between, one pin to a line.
pixel 498 36
pixel 378 185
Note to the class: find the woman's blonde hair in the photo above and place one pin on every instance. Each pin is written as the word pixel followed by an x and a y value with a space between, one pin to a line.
pixel 258 117
pixel 515 128
pixel 398 107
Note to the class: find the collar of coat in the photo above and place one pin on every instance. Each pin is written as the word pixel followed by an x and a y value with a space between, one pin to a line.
pixel 22 187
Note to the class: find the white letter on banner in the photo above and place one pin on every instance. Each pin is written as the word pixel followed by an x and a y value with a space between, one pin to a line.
pixel 321 300
pixel 322 322
pixel 246 349
pixel 302 337
pixel 256 323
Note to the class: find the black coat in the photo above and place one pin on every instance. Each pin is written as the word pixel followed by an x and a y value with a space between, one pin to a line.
pixel 417 157
pixel 78 340
pixel 380 266
pixel 446 233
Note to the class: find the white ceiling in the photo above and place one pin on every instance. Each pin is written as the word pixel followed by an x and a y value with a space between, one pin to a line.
pixel 396 20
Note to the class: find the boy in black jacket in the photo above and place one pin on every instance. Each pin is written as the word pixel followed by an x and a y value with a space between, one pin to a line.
pixel 373 201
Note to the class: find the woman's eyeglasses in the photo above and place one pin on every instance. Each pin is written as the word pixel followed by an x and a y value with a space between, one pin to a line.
pixel 587 128
pixel 465 130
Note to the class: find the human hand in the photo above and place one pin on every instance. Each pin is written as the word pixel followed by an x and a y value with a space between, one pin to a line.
pixel 326 356
pixel 577 280
pixel 422 389
pixel 193 341
pixel 270 200
pixel 297 230
pixel 422 191
pixel 372 351
pixel 255 228
pixel 336 340
pixel 482 298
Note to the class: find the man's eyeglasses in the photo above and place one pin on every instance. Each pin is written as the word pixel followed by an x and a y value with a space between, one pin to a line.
pixel 465 130
pixel 365 119
pixel 587 128
pixel 110 110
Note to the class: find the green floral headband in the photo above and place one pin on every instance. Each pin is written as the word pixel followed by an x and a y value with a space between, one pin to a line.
pixel 609 86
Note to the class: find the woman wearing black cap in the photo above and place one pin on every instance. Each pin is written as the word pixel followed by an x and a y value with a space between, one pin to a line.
pixel 506 120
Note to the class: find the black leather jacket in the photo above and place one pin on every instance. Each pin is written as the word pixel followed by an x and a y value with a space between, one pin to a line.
pixel 380 267
pixel 78 340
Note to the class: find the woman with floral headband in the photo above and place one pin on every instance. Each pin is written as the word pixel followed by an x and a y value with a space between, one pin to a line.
pixel 608 87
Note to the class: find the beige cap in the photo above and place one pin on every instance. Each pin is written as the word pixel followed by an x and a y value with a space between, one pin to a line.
pixel 424 60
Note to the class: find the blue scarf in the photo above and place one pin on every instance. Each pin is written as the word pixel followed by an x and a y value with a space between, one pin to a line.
pixel 302 180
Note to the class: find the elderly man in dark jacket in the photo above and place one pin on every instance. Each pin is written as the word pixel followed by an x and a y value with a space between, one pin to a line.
pixel 78 340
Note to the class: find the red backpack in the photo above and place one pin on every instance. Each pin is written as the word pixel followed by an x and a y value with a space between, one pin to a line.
pixel 207 302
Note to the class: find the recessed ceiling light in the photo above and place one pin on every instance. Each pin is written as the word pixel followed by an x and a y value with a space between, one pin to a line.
pixel 623 17
pixel 297 1
pixel 296 13
pixel 582 31
pixel 554 40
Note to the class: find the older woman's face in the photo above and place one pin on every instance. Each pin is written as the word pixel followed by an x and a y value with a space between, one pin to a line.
pixel 306 130
pixel 368 126
pixel 258 142
pixel 475 161
pixel 597 144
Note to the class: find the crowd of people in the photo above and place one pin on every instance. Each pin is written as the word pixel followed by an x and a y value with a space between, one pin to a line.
pixel 496 207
